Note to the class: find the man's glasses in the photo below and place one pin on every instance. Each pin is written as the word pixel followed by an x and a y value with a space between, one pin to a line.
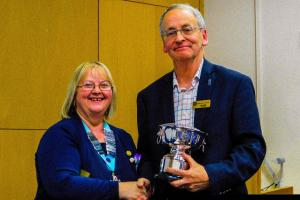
pixel 185 31
pixel 103 86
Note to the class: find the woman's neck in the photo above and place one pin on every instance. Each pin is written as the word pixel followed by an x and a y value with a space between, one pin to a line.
pixel 96 126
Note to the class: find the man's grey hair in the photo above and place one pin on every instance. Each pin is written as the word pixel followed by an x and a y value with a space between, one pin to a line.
pixel 187 7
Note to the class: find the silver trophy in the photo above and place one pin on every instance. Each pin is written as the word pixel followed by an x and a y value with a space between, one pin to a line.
pixel 180 139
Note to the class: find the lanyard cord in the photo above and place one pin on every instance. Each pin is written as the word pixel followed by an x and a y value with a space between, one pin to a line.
pixel 110 157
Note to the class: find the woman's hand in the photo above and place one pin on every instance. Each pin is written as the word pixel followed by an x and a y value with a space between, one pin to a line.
pixel 144 183
pixel 133 190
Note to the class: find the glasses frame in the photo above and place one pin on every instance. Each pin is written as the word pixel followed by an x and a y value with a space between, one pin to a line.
pixel 86 87
pixel 172 33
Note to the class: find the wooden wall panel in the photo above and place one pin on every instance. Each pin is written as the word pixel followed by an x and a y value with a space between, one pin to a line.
pixel 254 183
pixel 17 171
pixel 41 44
pixel 131 46
pixel 166 3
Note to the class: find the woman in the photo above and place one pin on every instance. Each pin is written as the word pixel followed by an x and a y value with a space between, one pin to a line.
pixel 82 156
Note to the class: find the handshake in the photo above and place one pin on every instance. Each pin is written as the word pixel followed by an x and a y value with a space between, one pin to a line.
pixel 140 189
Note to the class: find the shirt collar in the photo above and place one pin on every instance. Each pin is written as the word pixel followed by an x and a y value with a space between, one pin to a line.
pixel 195 79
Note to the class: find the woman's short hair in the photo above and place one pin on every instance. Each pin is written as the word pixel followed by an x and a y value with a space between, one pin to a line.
pixel 189 8
pixel 69 108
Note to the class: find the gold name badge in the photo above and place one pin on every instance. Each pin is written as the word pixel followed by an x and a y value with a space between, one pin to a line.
pixel 84 173
pixel 201 104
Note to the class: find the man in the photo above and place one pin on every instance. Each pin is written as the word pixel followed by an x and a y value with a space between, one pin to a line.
pixel 224 107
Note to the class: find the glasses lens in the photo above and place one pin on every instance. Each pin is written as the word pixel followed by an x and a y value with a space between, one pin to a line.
pixel 171 33
pixel 188 30
pixel 105 86
pixel 102 86
pixel 88 86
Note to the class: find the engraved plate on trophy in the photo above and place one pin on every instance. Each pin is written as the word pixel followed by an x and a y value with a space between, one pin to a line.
pixel 179 138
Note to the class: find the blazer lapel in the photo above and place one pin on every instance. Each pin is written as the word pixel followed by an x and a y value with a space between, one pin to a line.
pixel 204 92
pixel 166 96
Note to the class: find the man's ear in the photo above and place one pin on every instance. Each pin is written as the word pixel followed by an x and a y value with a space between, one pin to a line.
pixel 204 38
pixel 165 49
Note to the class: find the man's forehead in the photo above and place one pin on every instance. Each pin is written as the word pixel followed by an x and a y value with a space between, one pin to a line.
pixel 178 18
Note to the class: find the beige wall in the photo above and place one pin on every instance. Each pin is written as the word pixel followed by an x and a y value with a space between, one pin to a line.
pixel 278 45
pixel 231 36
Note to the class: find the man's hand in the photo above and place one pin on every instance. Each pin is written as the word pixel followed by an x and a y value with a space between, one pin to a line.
pixel 193 179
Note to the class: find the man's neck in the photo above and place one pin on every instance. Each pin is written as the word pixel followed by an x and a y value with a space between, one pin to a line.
pixel 185 71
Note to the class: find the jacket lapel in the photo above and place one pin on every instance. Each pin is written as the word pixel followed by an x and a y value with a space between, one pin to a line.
pixel 166 96
pixel 204 92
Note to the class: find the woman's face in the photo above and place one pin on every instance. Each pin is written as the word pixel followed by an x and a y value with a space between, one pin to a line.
pixel 93 95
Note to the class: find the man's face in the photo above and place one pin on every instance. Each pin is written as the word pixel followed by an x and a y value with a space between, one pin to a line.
pixel 185 44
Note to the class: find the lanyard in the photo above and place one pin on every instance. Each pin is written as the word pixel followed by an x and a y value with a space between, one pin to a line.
pixel 110 157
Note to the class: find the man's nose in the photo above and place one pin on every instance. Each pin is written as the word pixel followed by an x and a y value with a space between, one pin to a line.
pixel 179 36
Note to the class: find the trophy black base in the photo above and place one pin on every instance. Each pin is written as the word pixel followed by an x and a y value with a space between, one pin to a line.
pixel 165 176
pixel 161 185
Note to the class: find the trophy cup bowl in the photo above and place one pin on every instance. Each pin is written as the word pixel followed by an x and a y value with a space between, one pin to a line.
pixel 179 138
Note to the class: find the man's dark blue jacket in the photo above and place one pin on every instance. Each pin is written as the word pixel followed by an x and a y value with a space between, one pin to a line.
pixel 235 146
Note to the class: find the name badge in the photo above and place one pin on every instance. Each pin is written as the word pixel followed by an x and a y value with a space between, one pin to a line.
pixel 201 104
pixel 84 173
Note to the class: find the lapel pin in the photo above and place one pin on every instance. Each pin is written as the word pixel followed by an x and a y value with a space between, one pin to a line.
pixel 128 153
